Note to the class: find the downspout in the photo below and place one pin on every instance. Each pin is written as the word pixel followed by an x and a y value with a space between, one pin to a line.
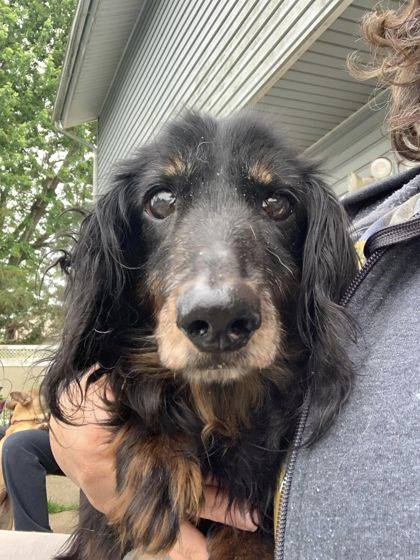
pixel 60 128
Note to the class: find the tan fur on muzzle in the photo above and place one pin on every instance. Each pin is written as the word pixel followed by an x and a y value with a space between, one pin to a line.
pixel 178 353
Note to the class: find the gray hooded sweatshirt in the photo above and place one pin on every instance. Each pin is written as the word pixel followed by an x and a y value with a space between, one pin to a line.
pixel 354 494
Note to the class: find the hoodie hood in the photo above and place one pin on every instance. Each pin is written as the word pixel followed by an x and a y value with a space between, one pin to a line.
pixel 383 205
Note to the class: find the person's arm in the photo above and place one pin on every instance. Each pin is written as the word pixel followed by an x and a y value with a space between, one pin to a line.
pixel 83 453
pixel 82 449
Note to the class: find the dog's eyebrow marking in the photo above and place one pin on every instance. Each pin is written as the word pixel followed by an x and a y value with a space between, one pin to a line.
pixel 259 172
pixel 175 166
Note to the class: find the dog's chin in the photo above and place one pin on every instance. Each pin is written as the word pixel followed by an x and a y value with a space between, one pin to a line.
pixel 222 369
pixel 220 374
pixel 226 368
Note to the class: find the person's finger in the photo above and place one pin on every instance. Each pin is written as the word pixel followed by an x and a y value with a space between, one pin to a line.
pixel 191 544
pixel 216 509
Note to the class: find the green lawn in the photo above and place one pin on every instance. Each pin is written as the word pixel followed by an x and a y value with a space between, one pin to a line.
pixel 54 507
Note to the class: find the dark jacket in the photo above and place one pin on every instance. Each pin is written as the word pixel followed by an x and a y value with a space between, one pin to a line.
pixel 354 494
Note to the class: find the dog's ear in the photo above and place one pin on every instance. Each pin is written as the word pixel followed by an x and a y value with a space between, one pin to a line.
pixel 20 397
pixel 329 264
pixel 99 275
pixel 10 404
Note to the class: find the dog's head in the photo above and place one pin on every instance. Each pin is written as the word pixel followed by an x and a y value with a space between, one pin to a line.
pixel 220 243
pixel 25 405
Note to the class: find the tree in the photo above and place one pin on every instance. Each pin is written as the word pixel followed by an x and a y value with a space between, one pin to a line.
pixel 42 172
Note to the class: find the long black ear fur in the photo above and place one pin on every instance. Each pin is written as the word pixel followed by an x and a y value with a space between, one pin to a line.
pixel 99 279
pixel 329 265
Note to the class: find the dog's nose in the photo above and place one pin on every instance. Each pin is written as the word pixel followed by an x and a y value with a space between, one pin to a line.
pixel 219 318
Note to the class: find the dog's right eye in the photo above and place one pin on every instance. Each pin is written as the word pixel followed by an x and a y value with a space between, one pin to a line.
pixel 161 204
pixel 278 207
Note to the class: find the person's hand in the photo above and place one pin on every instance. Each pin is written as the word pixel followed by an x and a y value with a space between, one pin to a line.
pixel 84 454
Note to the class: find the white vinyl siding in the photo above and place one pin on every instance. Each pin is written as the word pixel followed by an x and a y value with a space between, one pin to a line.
pixel 216 56
pixel 284 58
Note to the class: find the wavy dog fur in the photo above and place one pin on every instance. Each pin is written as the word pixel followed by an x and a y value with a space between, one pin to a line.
pixel 177 418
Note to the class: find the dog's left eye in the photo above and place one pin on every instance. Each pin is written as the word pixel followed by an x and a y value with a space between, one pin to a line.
pixel 278 206
pixel 161 204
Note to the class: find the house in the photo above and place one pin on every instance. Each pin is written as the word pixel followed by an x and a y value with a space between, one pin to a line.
pixel 133 64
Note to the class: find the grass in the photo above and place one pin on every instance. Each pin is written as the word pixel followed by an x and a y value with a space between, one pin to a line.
pixel 54 507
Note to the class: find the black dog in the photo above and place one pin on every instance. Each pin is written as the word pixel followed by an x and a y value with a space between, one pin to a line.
pixel 205 285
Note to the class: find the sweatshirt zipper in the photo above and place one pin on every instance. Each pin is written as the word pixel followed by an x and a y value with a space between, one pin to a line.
pixel 287 481
pixel 297 439
pixel 393 234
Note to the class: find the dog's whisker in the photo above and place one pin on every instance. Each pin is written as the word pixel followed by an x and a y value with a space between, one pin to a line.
pixel 253 232
pixel 280 261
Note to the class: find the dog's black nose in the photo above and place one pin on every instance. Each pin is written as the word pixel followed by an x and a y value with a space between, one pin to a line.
pixel 218 319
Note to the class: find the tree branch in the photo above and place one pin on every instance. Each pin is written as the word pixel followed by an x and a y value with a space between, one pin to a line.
pixel 3 198
pixel 25 230
pixel 40 242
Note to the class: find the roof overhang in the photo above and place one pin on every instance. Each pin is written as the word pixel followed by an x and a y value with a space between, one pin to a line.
pixel 317 94
pixel 99 35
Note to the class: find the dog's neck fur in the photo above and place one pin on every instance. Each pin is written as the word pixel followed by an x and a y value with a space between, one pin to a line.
pixel 230 408
pixel 226 409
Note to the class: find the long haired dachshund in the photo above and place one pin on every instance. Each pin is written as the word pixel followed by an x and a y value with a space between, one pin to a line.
pixel 205 284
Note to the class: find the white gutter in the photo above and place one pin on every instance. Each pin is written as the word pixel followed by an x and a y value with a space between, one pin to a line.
pixel 80 30
pixel 76 49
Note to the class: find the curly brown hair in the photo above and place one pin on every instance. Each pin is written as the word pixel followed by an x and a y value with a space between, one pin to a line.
pixel 394 37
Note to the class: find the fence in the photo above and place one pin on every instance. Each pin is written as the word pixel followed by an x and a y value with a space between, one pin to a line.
pixel 22 366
